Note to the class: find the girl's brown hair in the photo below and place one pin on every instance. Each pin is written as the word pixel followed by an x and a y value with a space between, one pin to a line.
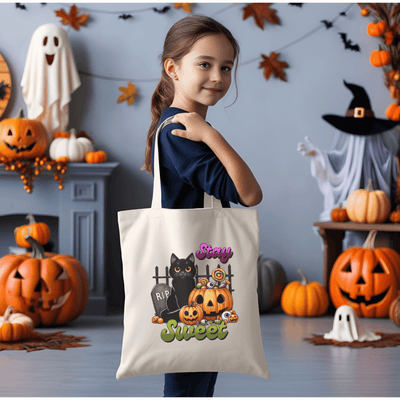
pixel 178 42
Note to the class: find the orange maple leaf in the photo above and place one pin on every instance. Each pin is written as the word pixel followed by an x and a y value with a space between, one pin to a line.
pixel 272 65
pixel 260 11
pixel 128 95
pixel 185 6
pixel 72 18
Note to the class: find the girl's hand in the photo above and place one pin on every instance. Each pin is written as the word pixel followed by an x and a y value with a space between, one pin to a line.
pixel 196 128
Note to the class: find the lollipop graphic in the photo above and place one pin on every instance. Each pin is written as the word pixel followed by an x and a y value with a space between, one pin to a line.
pixel 218 274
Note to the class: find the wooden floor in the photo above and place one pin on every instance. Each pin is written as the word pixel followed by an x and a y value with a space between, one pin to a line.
pixel 298 368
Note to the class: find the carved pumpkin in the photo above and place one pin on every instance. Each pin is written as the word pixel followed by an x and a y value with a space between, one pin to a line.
pixel 272 280
pixel 233 317
pixel 339 214
pixel 366 278
pixel 52 289
pixel 191 314
pixel 38 230
pixel 213 301
pixel 15 327
pixel 368 205
pixel 22 138
pixel 305 299
pixel 379 58
pixel 394 311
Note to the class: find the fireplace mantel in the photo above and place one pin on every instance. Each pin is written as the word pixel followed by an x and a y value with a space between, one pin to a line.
pixel 83 212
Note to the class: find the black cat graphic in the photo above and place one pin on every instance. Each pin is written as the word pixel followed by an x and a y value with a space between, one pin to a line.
pixel 183 272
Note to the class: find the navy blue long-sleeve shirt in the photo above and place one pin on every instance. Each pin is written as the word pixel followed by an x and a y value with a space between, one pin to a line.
pixel 189 168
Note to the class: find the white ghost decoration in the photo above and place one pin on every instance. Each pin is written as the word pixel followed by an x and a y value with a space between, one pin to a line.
pixel 49 78
pixel 346 327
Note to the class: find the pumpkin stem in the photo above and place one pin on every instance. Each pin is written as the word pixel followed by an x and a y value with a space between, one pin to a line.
pixel 7 314
pixel 37 249
pixel 31 219
pixel 369 186
pixel 72 133
pixel 20 113
pixel 304 280
pixel 369 242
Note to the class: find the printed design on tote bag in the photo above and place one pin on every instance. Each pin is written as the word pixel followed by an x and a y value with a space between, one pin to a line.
pixel 199 306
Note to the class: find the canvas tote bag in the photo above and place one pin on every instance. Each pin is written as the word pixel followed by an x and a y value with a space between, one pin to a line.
pixel 190 279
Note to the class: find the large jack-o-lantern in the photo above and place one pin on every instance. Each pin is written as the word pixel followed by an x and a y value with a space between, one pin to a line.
pixel 213 301
pixel 51 289
pixel 366 278
pixel 22 138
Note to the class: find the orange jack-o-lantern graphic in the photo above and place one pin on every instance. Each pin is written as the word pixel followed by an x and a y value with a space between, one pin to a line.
pixel 366 278
pixel 191 314
pixel 52 289
pixel 213 301
pixel 233 317
pixel 22 138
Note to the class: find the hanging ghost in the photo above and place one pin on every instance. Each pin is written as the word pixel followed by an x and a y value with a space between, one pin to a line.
pixel 49 78
pixel 346 327
pixel 364 147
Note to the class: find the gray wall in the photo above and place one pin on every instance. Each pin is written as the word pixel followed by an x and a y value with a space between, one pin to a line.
pixel 264 125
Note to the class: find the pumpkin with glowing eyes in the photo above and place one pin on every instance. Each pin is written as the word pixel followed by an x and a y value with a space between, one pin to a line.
pixel 191 314
pixel 366 278
pixel 51 289
pixel 22 138
pixel 213 301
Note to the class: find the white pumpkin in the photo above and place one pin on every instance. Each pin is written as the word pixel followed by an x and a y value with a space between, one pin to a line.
pixel 74 148
pixel 15 326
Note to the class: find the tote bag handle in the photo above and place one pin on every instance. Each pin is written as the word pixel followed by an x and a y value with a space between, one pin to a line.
pixel 209 201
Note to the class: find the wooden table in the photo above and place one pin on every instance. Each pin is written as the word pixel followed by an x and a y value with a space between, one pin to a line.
pixel 333 233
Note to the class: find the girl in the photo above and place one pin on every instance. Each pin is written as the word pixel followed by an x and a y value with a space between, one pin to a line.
pixel 197 60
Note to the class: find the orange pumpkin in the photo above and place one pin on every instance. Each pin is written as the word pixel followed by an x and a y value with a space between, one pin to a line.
pixel 95 157
pixel 393 112
pixel 22 138
pixel 395 215
pixel 389 37
pixel 368 205
pixel 379 58
pixel 339 214
pixel 304 299
pixel 38 230
pixel 213 301
pixel 364 12
pixel 52 289
pixel 377 29
pixel 191 314
pixel 15 327
pixel 366 278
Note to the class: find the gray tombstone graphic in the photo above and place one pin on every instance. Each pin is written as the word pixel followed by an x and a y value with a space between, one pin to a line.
pixel 159 295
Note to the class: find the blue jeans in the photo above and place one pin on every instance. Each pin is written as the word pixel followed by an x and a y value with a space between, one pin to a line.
pixel 192 384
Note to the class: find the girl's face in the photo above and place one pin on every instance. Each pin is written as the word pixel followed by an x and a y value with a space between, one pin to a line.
pixel 203 75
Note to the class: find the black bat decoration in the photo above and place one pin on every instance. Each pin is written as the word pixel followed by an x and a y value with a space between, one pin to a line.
pixel 125 16
pixel 3 88
pixel 328 24
pixel 296 4
pixel 348 43
pixel 21 6
pixel 162 10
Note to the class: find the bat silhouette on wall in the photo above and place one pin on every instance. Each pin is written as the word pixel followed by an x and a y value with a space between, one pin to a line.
pixel 125 16
pixel 348 43
pixel 162 10
pixel 21 6
pixel 328 24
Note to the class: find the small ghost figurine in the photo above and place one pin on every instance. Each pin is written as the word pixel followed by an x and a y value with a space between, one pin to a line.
pixel 346 327
pixel 49 78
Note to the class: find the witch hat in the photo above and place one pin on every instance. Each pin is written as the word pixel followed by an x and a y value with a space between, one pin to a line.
pixel 359 119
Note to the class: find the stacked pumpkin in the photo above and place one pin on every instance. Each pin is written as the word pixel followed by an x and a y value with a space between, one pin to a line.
pixel 49 288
